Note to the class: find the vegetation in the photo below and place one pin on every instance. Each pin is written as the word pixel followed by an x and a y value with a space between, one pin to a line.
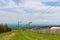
pixel 4 28
pixel 27 35
pixel 7 35
pixel 28 25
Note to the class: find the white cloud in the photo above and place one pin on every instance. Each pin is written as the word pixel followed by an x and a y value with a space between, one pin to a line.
pixel 8 17
pixel 37 5
pixel 8 4
pixel 32 4
pixel 40 21
pixel 24 16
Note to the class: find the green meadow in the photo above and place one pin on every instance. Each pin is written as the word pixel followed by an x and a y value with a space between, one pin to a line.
pixel 27 35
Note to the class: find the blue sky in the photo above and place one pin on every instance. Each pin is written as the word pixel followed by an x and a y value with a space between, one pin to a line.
pixel 35 11
pixel 52 3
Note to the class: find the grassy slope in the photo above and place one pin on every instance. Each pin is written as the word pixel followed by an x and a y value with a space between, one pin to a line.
pixel 27 35
pixel 5 36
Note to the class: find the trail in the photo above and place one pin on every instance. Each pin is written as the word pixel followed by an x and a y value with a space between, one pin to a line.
pixel 32 36
pixel 8 36
pixel 29 35
pixel 25 34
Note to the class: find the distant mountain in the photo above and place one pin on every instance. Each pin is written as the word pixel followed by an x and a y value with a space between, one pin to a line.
pixel 14 26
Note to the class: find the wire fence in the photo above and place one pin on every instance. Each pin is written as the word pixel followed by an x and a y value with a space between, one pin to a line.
pixel 46 31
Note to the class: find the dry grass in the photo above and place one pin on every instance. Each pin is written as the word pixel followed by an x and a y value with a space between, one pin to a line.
pixel 8 36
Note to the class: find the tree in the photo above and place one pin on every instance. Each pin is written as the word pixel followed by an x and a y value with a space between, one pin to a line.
pixel 6 28
pixel 1 28
pixel 28 25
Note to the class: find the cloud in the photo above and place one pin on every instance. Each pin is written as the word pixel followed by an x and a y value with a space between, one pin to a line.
pixel 41 21
pixel 28 10
pixel 9 17
pixel 7 4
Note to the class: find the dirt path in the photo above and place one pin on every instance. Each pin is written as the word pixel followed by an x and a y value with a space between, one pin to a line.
pixel 27 35
pixel 8 37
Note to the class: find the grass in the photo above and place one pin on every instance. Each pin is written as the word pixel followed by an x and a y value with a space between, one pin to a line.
pixel 27 35
pixel 5 35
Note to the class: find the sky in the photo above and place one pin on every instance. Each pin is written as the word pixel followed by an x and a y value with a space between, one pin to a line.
pixel 35 11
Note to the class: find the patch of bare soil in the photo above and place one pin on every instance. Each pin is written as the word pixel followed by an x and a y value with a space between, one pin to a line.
pixel 8 37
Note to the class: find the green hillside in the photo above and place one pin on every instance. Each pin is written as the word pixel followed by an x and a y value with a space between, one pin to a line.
pixel 27 35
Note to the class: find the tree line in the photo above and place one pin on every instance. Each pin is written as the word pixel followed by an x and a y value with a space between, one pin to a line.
pixel 4 28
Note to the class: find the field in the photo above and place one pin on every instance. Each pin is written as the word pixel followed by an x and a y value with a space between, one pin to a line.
pixel 27 35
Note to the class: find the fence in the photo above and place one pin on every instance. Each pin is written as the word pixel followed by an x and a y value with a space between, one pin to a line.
pixel 47 31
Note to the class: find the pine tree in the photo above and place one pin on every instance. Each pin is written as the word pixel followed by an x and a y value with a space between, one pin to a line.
pixel 1 28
